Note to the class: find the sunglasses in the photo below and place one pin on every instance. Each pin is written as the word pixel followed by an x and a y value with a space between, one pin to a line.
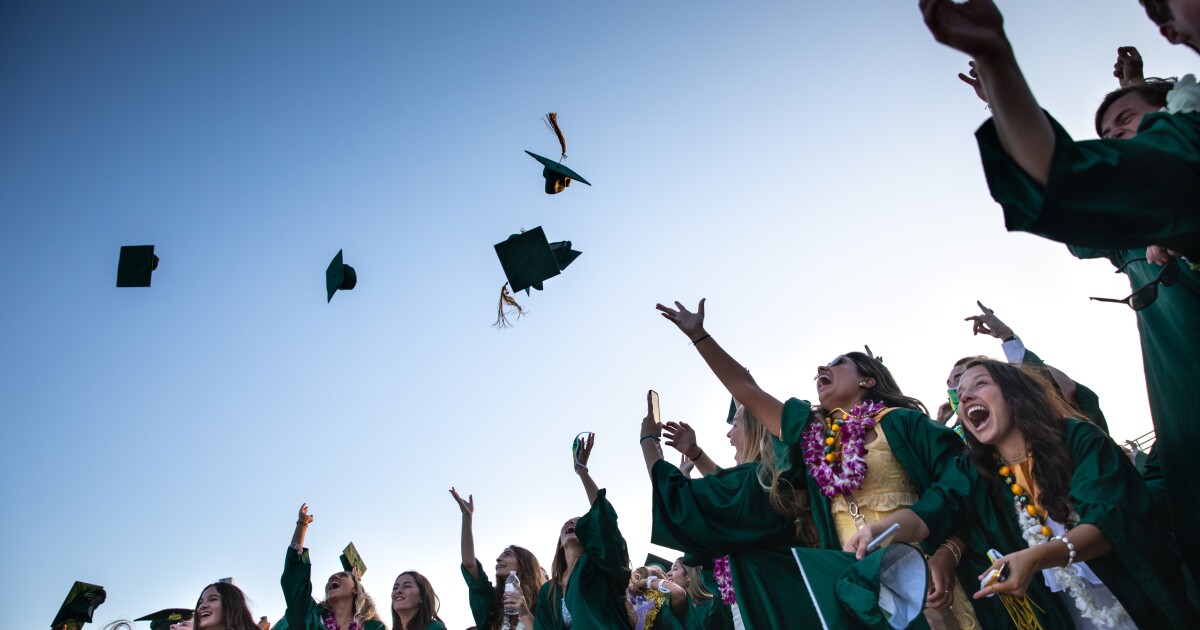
pixel 1146 295
pixel 838 360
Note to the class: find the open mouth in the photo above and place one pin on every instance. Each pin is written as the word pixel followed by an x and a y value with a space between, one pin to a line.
pixel 205 614
pixel 823 380
pixel 978 416
pixel 571 530
pixel 333 586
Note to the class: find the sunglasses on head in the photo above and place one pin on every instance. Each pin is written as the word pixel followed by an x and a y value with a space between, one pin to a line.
pixel 1146 295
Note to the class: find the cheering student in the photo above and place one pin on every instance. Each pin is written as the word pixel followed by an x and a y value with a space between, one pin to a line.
pixel 1060 501
pixel 222 606
pixel 414 604
pixel 590 571
pixel 856 473
pixel 700 604
pixel 346 605
pixel 488 602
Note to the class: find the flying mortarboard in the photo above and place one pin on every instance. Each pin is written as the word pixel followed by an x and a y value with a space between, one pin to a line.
pixel 884 590
pixel 658 561
pixel 163 619
pixel 136 264
pixel 77 609
pixel 528 260
pixel 338 276
pixel 353 562
pixel 558 176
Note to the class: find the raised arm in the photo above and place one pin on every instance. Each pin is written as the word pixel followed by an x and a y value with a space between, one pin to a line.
pixel 302 523
pixel 1128 69
pixel 682 437
pixel 468 537
pixel 581 459
pixel 650 435
pixel 732 375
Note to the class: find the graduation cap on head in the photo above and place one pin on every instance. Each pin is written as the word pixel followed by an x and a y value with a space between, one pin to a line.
pixel 658 561
pixel 884 590
pixel 163 619
pixel 558 176
pixel 77 609
pixel 353 562
pixel 136 264
pixel 338 276
pixel 528 260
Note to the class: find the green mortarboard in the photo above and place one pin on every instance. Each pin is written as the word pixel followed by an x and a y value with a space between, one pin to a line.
pixel 529 259
pixel 884 590
pixel 339 276
pixel 353 562
pixel 732 410
pixel 557 175
pixel 163 619
pixel 658 561
pixel 77 609
pixel 136 264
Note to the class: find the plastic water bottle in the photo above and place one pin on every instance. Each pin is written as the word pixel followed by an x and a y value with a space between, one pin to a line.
pixel 512 584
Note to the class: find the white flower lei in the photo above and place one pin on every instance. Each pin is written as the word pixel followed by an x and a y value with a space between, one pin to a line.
pixel 1108 617
pixel 1184 97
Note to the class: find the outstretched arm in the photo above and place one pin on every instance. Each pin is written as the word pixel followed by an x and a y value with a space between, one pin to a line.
pixel 581 459
pixel 732 375
pixel 302 522
pixel 468 537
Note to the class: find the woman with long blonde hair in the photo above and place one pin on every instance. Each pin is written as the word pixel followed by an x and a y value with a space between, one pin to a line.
pixel 346 605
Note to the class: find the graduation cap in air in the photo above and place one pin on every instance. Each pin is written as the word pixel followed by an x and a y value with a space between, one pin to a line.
pixel 558 176
pixel 528 260
pixel 353 562
pixel 884 590
pixel 658 561
pixel 78 608
pixel 338 276
pixel 136 264
pixel 732 410
pixel 163 619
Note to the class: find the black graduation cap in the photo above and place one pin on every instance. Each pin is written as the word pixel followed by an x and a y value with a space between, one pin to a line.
pixel 352 562
pixel 528 260
pixel 78 608
pixel 558 177
pixel 658 561
pixel 732 410
pixel 339 276
pixel 135 266
pixel 163 619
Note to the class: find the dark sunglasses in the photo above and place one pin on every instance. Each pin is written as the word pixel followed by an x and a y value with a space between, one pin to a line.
pixel 1146 295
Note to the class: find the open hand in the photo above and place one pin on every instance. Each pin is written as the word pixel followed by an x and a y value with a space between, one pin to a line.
pixel 468 506
pixel 974 27
pixel 682 437
pixel 1128 68
pixel 586 442
pixel 692 324
pixel 989 324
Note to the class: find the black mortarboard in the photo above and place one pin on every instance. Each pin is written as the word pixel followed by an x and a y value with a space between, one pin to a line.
pixel 339 276
pixel 163 619
pixel 557 175
pixel 353 562
pixel 658 561
pixel 529 259
pixel 136 264
pixel 77 609
pixel 732 410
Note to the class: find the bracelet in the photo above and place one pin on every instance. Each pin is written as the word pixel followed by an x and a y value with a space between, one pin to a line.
pixel 954 550
pixel 1070 549
pixel 649 435
pixel 650 582
pixel 302 523
pixel 698 455
pixel 701 339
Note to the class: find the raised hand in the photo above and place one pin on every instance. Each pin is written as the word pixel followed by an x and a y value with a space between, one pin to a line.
pixel 305 518
pixel 945 413
pixel 1128 68
pixel 692 324
pixel 974 27
pixel 682 437
pixel 586 442
pixel 649 426
pixel 468 506
pixel 989 324
pixel 974 82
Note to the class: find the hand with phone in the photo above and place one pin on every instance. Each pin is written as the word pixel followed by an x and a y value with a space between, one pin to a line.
pixel 1010 574
pixel 652 423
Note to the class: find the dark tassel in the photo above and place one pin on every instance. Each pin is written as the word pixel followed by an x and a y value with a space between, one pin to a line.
pixel 508 305
pixel 551 121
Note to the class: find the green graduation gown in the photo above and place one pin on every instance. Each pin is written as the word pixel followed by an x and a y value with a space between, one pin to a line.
pixel 1170 334
pixel 595 595
pixel 1089 402
pixel 481 595
pixel 1125 193
pixel 303 613
pixel 1142 571
pixel 712 613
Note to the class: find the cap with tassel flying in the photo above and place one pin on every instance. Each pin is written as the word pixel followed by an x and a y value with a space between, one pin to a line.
pixel 557 176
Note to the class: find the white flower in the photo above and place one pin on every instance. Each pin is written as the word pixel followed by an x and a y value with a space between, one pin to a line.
pixel 1185 96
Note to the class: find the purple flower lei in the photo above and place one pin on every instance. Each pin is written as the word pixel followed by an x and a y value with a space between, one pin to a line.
pixel 332 624
pixel 724 580
pixel 846 473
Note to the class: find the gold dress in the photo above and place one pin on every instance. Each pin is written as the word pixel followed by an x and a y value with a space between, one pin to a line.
pixel 886 489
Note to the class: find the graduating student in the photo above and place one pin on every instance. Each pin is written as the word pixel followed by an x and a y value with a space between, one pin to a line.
pixel 414 604
pixel 222 606
pixel 346 602
pixel 700 604
pixel 590 571
pixel 1060 500
pixel 856 473
pixel 488 602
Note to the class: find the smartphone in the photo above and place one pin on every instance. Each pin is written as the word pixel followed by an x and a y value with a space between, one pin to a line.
pixel 878 542
pixel 654 410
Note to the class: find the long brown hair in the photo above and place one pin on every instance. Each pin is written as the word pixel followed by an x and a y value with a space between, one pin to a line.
pixel 530 572
pixel 427 610
pixel 886 390
pixel 695 583
pixel 235 614
pixel 1037 412
pixel 363 607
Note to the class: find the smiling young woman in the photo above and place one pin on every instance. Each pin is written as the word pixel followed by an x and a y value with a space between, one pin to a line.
pixel 222 606
pixel 414 604
pixel 346 606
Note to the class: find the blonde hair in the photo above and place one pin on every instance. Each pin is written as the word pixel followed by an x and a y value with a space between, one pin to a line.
pixel 695 583
pixel 364 607
pixel 785 498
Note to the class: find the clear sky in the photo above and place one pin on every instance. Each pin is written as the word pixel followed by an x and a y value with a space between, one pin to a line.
pixel 809 167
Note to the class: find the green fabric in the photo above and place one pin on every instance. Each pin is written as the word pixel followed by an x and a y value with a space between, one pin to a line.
pixel 1088 401
pixel 711 613
pixel 1170 333
pixel 847 590
pixel 595 594
pixel 436 624
pixel 1142 571
pixel 1124 193
pixel 729 513
pixel 481 595
pixel 303 613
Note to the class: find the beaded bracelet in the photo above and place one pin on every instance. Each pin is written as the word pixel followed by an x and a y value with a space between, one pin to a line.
pixel 1070 549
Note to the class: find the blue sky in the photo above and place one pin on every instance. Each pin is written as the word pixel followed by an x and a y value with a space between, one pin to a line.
pixel 808 167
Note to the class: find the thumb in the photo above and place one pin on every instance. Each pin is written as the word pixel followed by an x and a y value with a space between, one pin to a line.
pixel 700 310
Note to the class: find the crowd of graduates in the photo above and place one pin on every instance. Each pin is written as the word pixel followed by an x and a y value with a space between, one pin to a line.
pixel 1012 507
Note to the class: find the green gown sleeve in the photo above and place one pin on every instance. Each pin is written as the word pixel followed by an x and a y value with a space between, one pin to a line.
pixel 596 593
pixel 1088 401
pixel 436 624
pixel 547 613
pixel 297 590
pixel 1106 194
pixel 602 541
pixel 481 595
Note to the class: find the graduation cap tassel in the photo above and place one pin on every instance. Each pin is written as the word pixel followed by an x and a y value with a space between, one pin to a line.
pixel 551 121
pixel 507 306
pixel 1020 610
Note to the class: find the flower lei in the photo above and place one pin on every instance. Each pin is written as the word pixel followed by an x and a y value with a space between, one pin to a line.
pixel 1032 531
pixel 724 580
pixel 332 624
pixel 835 451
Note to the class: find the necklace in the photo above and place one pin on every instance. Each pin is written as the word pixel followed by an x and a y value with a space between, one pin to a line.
pixel 835 450
pixel 1014 461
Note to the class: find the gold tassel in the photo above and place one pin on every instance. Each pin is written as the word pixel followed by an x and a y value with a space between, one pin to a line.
pixel 1020 610
pixel 551 121
pixel 508 306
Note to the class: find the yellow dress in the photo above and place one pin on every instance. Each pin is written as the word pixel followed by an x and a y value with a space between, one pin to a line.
pixel 886 489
